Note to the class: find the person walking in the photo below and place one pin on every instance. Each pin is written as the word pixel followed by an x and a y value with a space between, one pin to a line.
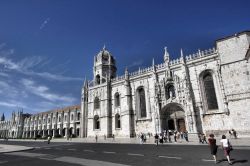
pixel 200 137
pixel 226 148
pixel 96 138
pixel 169 135
pixel 213 147
pixel 142 138
pixel 234 134
pixel 204 139
pixel 175 136
pixel 156 139
pixel 161 138
pixel 49 138
pixel 186 136
pixel 230 133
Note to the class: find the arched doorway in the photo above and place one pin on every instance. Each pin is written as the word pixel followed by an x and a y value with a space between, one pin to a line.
pixel 173 117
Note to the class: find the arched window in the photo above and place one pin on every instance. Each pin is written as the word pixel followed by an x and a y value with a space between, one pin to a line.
pixel 141 102
pixel 97 79
pixel 170 92
pixel 117 121
pixel 96 103
pixel 117 99
pixel 78 115
pixel 96 122
pixel 208 90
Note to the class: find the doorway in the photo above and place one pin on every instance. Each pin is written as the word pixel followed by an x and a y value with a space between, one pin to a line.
pixel 172 117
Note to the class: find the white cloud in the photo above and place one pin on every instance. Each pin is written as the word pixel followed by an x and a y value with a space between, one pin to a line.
pixel 4 74
pixel 8 90
pixel 136 63
pixel 6 104
pixel 30 62
pixel 45 22
pixel 13 104
pixel 3 85
pixel 9 64
pixel 43 91
pixel 25 65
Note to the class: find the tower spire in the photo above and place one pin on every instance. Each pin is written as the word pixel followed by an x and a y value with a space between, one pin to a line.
pixel 181 53
pixel 166 55
pixel 3 117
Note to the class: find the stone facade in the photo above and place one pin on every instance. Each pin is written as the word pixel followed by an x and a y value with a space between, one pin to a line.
pixel 13 128
pixel 205 92
pixel 208 91
pixel 63 122
pixel 56 123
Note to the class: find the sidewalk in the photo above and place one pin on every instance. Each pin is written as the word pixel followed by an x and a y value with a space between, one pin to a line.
pixel 13 148
pixel 241 142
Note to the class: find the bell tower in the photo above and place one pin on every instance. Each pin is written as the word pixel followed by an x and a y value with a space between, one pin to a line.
pixel 104 67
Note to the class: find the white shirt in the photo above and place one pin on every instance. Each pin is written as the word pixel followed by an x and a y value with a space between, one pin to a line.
pixel 224 142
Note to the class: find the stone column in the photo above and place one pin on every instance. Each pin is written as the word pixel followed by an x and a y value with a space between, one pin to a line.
pixel 53 133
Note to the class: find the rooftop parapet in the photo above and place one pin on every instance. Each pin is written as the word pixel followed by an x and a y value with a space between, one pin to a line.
pixel 201 54
pixel 195 56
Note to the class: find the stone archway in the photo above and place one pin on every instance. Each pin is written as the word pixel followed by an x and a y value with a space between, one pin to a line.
pixel 173 117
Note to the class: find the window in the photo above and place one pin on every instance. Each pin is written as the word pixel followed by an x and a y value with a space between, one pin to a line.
pixel 209 94
pixel 117 121
pixel 54 119
pixel 78 116
pixel 97 79
pixel 96 122
pixel 96 103
pixel 59 119
pixel 170 92
pixel 72 117
pixel 117 99
pixel 49 120
pixel 77 132
pixel 65 118
pixel 141 102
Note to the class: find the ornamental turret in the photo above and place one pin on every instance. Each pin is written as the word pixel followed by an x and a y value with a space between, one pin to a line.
pixel 104 67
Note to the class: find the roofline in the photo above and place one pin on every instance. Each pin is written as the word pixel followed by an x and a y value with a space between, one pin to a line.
pixel 67 108
pixel 230 36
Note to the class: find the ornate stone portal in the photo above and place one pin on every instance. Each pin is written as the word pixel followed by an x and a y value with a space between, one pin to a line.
pixel 173 117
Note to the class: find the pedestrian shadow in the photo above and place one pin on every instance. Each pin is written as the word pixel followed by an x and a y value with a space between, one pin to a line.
pixel 220 161
pixel 239 161
pixel 233 161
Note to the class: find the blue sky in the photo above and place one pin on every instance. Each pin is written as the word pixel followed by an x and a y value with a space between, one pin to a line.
pixel 47 47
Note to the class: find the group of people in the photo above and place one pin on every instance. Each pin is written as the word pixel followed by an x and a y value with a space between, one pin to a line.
pixel 225 144
pixel 166 136
pixel 202 138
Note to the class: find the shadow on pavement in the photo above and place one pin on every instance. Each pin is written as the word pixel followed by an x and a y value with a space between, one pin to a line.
pixel 240 161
